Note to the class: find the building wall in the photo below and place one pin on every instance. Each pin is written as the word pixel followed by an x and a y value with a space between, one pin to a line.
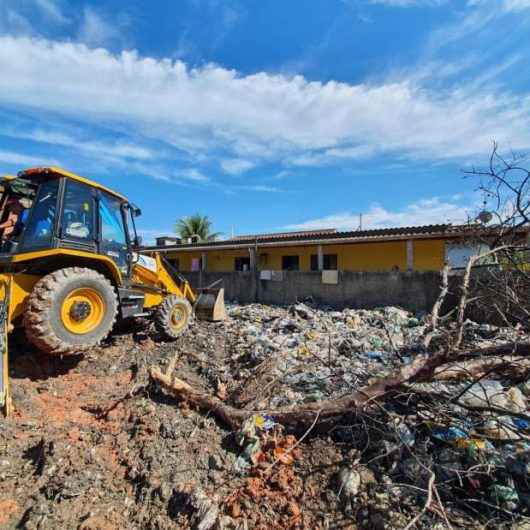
pixel 184 259
pixel 372 257
pixel 273 260
pixel 224 260
pixel 428 255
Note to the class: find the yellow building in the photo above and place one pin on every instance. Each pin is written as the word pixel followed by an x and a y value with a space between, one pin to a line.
pixel 423 248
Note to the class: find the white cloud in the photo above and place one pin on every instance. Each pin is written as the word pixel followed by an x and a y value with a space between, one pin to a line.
pixel 260 188
pixel 516 5
pixel 104 155
pixel 98 149
pixel 506 5
pixel 18 159
pixel 13 22
pixel 329 156
pixel 422 212
pixel 96 31
pixel 281 175
pixel 149 235
pixel 17 16
pixel 409 3
pixel 247 120
pixel 236 166
pixel 192 174
pixel 51 9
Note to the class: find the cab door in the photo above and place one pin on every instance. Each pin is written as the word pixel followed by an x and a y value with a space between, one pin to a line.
pixel 77 228
pixel 113 240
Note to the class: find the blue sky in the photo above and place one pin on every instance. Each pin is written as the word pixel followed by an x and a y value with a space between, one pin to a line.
pixel 272 114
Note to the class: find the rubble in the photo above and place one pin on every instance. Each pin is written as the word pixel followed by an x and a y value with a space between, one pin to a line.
pixel 98 442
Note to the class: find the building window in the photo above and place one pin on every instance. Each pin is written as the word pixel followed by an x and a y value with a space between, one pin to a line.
pixel 330 262
pixel 242 264
pixel 459 254
pixel 290 263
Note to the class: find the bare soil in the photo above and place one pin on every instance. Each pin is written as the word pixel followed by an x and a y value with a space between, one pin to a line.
pixel 92 445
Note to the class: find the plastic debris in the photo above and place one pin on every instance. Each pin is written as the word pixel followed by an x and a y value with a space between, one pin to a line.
pixel 449 434
pixel 504 495
pixel 206 510
pixel 501 428
pixel 375 355
pixel 349 482
pixel 320 354
pixel 484 394
pixel 264 422
pixel 306 353
pixel 405 435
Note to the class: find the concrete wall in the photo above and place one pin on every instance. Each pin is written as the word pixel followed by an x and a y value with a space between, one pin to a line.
pixel 416 291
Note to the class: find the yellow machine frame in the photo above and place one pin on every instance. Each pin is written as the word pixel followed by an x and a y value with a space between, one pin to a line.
pixel 152 280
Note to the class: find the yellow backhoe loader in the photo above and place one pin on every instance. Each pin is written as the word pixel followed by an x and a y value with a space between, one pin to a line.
pixel 71 264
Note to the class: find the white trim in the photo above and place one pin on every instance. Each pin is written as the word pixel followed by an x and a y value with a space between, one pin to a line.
pixel 410 254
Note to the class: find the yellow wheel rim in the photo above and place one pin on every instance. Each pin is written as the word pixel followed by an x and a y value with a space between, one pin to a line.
pixel 178 318
pixel 83 311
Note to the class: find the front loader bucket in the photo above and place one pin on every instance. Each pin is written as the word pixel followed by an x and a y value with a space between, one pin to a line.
pixel 210 304
pixel 5 398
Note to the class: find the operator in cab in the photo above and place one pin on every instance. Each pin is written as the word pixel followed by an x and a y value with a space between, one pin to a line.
pixel 16 216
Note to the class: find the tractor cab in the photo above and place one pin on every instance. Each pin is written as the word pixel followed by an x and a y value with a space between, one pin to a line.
pixel 49 208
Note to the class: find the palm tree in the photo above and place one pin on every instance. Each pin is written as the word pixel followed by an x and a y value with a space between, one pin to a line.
pixel 197 227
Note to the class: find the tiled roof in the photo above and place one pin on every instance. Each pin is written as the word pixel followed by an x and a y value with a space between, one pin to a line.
pixel 284 235
pixel 333 234
pixel 329 235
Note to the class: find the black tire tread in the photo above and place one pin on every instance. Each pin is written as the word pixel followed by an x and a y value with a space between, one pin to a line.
pixel 36 323
pixel 163 315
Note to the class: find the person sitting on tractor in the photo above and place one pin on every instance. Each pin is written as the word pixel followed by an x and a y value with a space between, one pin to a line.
pixel 12 226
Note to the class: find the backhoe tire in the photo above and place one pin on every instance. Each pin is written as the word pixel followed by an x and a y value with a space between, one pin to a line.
pixel 70 311
pixel 173 316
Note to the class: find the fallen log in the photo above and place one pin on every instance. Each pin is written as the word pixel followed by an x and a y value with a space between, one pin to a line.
pixel 424 368
pixel 513 366
pixel 298 415
pixel 507 348
pixel 437 361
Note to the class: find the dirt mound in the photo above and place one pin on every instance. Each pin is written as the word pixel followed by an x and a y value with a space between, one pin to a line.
pixel 94 444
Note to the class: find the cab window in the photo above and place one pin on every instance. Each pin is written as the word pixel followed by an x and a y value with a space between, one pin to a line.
pixel 112 230
pixel 131 225
pixel 113 240
pixel 38 232
pixel 78 212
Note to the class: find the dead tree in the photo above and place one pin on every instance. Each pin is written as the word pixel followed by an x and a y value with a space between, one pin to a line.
pixel 500 287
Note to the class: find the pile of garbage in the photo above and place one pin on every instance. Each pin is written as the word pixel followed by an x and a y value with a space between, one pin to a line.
pixel 309 353
pixel 313 354
pixel 463 440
